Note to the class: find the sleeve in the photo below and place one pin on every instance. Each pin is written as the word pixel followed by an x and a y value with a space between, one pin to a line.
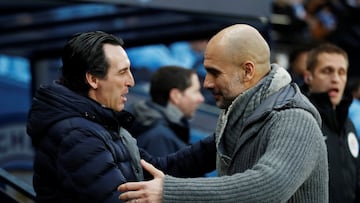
pixel 295 147
pixel 192 161
pixel 157 144
pixel 88 168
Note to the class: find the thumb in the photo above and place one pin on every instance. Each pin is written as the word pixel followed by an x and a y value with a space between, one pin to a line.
pixel 151 169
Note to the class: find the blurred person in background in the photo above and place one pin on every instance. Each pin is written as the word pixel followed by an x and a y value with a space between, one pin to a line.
pixel 325 79
pixel 337 21
pixel 290 20
pixel 162 123
pixel 297 63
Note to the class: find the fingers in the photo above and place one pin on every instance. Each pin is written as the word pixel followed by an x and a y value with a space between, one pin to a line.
pixel 151 169
pixel 131 191
pixel 130 186
pixel 130 196
pixel 134 201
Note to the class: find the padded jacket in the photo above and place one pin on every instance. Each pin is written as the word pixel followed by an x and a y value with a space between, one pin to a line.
pixel 83 151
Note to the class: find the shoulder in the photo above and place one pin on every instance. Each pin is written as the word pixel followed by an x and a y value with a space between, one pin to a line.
pixel 86 142
pixel 79 133
pixel 288 101
pixel 295 123
pixel 295 99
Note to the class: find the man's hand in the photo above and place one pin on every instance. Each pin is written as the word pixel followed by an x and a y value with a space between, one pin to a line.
pixel 145 191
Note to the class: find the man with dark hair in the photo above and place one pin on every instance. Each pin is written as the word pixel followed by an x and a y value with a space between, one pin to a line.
pixel 77 124
pixel 325 78
pixel 161 124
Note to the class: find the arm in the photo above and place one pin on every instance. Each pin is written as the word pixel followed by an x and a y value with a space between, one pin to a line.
pixel 296 149
pixel 192 161
pixel 157 144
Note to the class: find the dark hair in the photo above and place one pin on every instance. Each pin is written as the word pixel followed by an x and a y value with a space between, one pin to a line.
pixel 167 78
pixel 84 53
pixel 298 49
pixel 313 54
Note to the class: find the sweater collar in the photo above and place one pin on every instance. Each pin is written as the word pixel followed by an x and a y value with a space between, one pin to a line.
pixel 249 100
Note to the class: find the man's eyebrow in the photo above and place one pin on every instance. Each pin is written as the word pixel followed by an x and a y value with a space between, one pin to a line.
pixel 121 70
pixel 124 68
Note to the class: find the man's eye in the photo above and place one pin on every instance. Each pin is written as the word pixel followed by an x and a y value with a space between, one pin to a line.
pixel 327 71
pixel 213 72
pixel 342 72
pixel 122 71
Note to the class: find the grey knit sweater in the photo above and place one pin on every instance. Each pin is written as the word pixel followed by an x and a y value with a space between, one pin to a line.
pixel 269 149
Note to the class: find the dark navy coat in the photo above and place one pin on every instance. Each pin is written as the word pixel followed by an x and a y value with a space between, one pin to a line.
pixel 343 149
pixel 82 149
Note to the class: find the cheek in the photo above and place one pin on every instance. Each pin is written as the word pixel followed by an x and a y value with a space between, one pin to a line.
pixel 189 103
pixel 344 79
pixel 221 85
pixel 315 85
pixel 234 88
pixel 194 102
pixel 318 85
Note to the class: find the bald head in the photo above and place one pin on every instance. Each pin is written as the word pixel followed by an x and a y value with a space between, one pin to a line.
pixel 242 43
pixel 235 59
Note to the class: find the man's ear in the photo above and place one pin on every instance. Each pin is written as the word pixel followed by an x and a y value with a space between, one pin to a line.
pixel 249 70
pixel 307 77
pixel 92 80
pixel 174 95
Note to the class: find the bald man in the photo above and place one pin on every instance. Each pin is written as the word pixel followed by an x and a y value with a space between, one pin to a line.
pixel 269 145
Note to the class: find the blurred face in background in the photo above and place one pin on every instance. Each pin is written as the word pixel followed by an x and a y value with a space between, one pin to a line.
pixel 329 75
pixel 299 64
pixel 189 99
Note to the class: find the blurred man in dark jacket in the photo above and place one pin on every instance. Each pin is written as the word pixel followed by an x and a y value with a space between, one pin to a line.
pixel 161 124
pixel 325 79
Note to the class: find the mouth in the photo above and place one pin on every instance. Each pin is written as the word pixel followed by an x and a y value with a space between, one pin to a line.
pixel 124 96
pixel 216 95
pixel 333 92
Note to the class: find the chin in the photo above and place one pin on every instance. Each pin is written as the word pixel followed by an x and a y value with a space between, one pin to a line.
pixel 120 108
pixel 221 105
pixel 335 103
